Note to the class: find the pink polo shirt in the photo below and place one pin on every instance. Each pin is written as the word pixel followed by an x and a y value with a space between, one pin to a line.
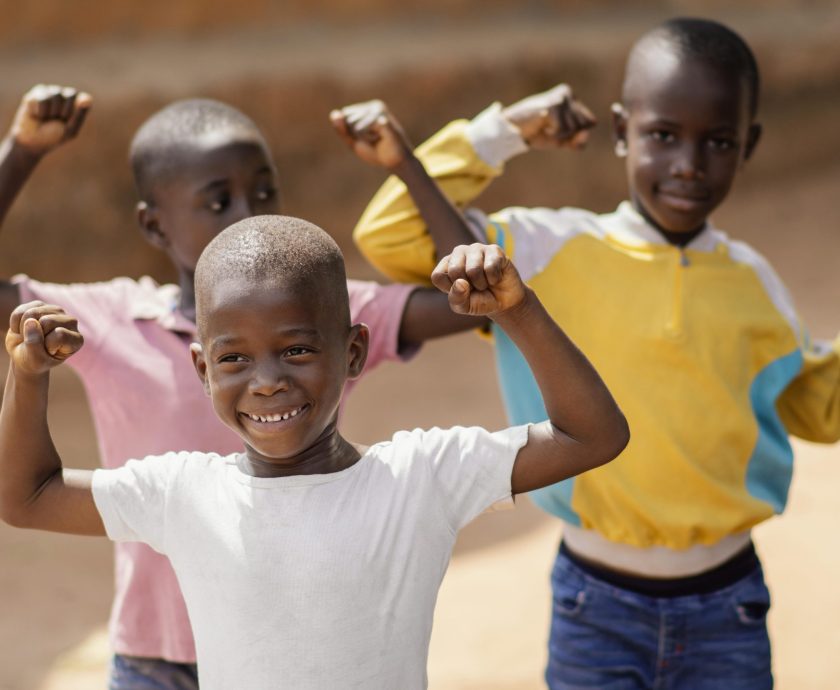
pixel 146 399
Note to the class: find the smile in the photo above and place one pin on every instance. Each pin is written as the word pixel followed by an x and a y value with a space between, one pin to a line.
pixel 683 201
pixel 268 418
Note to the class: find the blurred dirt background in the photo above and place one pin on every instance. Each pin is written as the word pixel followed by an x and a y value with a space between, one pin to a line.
pixel 287 64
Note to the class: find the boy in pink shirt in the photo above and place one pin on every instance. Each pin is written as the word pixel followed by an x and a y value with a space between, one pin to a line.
pixel 199 166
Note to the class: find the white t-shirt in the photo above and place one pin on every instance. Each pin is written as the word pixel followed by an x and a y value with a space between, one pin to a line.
pixel 312 581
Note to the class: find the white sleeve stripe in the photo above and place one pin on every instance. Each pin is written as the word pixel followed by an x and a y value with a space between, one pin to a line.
pixel 478 222
pixel 539 233
pixel 773 285
pixel 493 138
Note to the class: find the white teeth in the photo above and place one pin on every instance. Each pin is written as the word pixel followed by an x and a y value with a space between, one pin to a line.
pixel 274 417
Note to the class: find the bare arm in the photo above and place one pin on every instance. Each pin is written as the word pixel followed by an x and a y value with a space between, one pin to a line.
pixel 47 117
pixel 35 491
pixel 585 427
pixel 375 136
pixel 406 226
pixel 427 315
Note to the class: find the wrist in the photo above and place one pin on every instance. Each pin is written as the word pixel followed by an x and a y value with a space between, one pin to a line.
pixel 22 156
pixel 519 312
pixel 29 378
pixel 407 166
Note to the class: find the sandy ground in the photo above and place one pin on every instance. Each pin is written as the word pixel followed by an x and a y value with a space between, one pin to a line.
pixel 492 615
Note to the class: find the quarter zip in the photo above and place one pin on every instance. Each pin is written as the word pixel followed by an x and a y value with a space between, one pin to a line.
pixel 674 327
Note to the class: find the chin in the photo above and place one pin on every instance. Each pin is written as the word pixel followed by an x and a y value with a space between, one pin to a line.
pixel 679 223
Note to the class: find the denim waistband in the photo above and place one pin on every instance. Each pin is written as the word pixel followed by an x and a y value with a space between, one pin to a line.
pixel 727 573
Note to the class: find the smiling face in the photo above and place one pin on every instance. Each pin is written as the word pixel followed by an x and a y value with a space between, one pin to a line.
pixel 214 181
pixel 274 360
pixel 686 128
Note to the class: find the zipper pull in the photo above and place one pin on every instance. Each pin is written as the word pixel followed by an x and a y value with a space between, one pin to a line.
pixel 684 261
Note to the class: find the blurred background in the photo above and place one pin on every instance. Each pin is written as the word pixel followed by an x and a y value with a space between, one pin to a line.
pixel 287 64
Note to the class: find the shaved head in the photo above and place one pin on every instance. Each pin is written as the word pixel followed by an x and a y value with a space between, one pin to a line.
pixel 289 253
pixel 158 147
pixel 663 49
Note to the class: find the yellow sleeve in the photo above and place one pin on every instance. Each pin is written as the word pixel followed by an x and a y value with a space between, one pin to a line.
pixel 391 233
pixel 810 406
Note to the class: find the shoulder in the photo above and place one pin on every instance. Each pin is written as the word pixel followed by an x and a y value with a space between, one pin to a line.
pixel 567 219
pixel 535 235
pixel 745 255
pixel 365 294
pixel 178 462
pixel 98 294
pixel 457 441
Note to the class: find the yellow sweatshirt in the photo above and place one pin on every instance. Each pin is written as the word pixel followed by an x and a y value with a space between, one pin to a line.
pixel 701 347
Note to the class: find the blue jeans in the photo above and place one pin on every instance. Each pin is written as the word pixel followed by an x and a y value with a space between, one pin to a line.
pixel 137 673
pixel 610 638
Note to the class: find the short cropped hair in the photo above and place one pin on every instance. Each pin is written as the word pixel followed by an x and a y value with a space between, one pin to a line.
pixel 281 250
pixel 157 144
pixel 709 42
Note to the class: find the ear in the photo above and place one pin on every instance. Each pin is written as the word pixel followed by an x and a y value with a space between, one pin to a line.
pixel 619 128
pixel 753 136
pixel 149 222
pixel 357 350
pixel 200 364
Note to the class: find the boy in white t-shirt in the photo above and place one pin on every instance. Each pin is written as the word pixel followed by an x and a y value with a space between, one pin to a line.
pixel 306 561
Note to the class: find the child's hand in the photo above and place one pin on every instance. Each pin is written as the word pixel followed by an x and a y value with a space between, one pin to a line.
pixel 373 134
pixel 480 280
pixel 48 116
pixel 552 119
pixel 41 336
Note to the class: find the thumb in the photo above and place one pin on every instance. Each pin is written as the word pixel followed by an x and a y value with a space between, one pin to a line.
pixel 459 296
pixel 384 127
pixel 33 334
pixel 392 132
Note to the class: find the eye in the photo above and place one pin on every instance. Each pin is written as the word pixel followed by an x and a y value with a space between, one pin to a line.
pixel 231 359
pixel 266 194
pixel 220 204
pixel 722 144
pixel 663 136
pixel 298 351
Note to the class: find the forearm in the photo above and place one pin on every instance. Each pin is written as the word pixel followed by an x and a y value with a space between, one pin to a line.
pixel 577 401
pixel 28 458
pixel 809 406
pixel 393 234
pixel 446 224
pixel 16 165
pixel 427 316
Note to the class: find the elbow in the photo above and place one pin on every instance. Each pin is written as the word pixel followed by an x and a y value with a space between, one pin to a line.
pixel 622 436
pixel 613 439
pixel 12 515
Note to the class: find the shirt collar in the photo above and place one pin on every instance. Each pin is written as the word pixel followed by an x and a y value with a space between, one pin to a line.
pixel 629 227
pixel 160 303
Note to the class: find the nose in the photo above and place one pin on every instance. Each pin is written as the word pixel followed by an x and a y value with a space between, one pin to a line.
pixel 241 208
pixel 689 162
pixel 269 378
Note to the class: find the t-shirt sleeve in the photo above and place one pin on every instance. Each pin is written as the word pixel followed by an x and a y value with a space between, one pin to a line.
pixel 471 467
pixel 96 306
pixel 132 499
pixel 381 308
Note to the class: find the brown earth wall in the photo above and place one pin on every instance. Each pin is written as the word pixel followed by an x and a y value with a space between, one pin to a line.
pixel 74 221
pixel 79 21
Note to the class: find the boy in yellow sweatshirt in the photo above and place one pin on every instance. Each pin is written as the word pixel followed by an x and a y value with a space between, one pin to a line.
pixel 657 583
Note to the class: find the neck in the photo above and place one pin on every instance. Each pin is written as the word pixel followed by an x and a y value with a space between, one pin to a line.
pixel 186 302
pixel 330 453
pixel 678 239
